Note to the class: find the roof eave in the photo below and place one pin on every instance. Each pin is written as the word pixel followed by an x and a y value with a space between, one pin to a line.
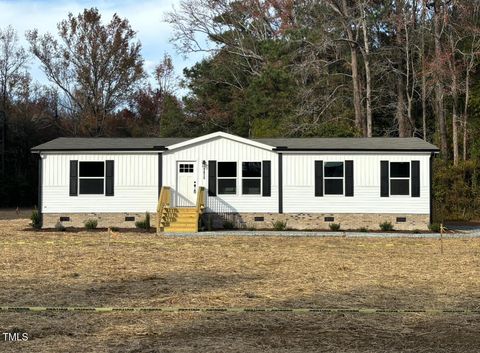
pixel 156 148
pixel 286 149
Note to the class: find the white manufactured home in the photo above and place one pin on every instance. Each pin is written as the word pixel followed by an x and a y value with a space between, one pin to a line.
pixel 218 178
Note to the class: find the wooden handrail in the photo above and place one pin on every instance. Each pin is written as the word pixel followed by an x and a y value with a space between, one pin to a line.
pixel 163 204
pixel 200 199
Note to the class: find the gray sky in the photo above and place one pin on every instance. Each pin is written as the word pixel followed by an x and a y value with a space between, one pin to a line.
pixel 146 18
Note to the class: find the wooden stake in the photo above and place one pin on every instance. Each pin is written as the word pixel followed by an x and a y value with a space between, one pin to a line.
pixel 441 238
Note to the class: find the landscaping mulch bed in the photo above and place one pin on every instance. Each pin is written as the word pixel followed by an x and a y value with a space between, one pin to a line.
pixel 135 269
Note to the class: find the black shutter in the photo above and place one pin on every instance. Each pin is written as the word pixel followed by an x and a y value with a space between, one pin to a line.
pixel 318 178
pixel 73 178
pixel 348 178
pixel 266 178
pixel 384 179
pixel 415 178
pixel 212 178
pixel 280 183
pixel 109 178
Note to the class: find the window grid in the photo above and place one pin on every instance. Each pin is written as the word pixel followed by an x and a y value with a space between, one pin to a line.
pixel 222 178
pixel 259 178
pixel 80 178
pixel 186 168
pixel 399 178
pixel 326 178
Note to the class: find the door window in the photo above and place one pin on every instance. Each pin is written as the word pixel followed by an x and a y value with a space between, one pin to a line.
pixel 185 168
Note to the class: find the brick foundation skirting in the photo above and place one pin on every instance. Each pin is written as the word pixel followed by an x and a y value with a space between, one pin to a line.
pixel 317 221
pixel 300 221
pixel 105 220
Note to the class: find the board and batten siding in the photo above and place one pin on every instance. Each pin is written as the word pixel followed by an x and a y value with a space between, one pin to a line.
pixel 225 150
pixel 299 194
pixel 135 183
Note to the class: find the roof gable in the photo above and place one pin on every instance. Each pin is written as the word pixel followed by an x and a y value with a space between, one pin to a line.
pixel 220 134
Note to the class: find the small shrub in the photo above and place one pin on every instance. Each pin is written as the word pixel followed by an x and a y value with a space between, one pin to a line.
pixel 280 225
pixel 228 225
pixel 36 219
pixel 91 223
pixel 114 229
pixel 145 224
pixel 416 231
pixel 363 229
pixel 434 227
pixel 59 227
pixel 334 226
pixel 386 226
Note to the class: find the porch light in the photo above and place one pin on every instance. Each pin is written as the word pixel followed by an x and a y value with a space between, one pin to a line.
pixel 204 166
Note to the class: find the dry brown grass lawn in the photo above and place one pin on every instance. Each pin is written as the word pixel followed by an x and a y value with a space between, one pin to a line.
pixel 54 269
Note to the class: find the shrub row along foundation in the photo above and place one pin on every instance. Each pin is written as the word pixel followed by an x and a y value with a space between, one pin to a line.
pixel 300 221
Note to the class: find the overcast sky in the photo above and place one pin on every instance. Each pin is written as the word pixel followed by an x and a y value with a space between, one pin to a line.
pixel 146 18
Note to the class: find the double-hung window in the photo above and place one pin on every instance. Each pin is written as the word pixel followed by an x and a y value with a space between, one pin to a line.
pixel 399 178
pixel 92 178
pixel 333 178
pixel 227 178
pixel 251 178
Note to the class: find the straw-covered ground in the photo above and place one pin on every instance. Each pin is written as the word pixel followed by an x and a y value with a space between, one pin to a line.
pixel 98 269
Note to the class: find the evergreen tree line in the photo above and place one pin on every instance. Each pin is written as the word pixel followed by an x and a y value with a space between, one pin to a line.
pixel 271 68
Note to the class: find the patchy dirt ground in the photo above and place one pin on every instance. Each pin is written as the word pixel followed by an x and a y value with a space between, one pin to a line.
pixel 12 213
pixel 98 269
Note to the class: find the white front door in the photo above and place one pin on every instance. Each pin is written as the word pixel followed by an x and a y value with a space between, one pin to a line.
pixel 186 184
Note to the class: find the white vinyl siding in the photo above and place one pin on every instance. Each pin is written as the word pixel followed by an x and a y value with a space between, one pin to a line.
pixel 135 180
pixel 226 150
pixel 299 185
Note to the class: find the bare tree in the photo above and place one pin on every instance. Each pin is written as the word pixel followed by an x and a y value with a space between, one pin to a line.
pixel 234 26
pixel 438 24
pixel 164 75
pixel 424 69
pixel 96 66
pixel 402 66
pixel 349 24
pixel 469 57
pixel 454 37
pixel 366 61
pixel 13 61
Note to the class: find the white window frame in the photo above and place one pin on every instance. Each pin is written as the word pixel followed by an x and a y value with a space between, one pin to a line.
pixel 333 178
pixel 409 178
pixel 253 178
pixel 80 177
pixel 225 178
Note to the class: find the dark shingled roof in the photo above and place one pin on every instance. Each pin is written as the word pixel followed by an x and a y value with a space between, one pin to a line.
pixel 351 143
pixel 314 144
pixel 108 143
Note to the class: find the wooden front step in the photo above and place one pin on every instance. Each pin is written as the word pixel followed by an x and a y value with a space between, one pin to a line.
pixel 181 220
